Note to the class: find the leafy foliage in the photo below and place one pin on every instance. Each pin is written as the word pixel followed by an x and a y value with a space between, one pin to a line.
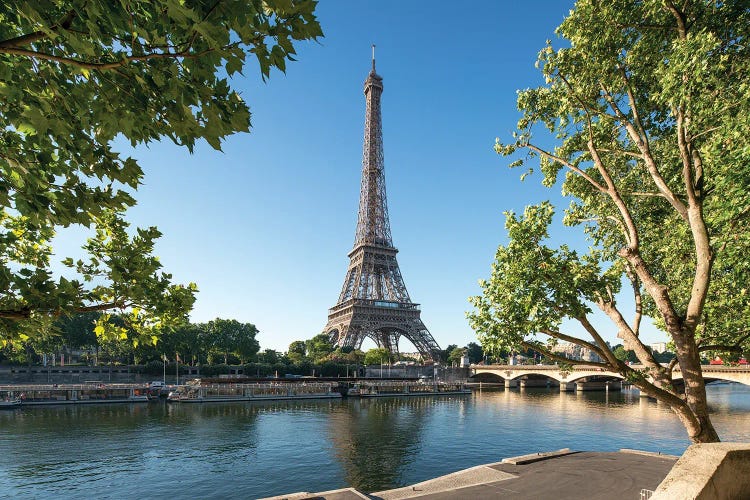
pixel 74 75
pixel 454 358
pixel 475 352
pixel 377 356
pixel 230 336
pixel 318 347
pixel 649 108
pixel 445 353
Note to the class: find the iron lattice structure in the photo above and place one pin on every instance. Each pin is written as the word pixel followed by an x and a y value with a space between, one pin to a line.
pixel 374 302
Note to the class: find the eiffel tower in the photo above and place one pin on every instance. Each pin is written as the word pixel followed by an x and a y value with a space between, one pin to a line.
pixel 374 302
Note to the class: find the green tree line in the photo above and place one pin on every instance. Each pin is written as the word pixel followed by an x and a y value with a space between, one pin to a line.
pixel 226 341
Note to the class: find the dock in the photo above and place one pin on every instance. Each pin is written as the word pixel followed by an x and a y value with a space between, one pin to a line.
pixel 215 392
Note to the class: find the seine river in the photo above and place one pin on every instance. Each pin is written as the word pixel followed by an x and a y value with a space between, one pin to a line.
pixel 247 450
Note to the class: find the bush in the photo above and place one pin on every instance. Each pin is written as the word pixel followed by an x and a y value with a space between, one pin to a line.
pixel 214 370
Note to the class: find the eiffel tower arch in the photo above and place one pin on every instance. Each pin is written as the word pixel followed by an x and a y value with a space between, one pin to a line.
pixel 373 302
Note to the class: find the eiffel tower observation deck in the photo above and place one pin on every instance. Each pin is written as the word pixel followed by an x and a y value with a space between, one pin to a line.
pixel 374 302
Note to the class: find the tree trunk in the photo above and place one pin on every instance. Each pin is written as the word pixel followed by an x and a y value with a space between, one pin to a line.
pixel 707 433
pixel 695 387
pixel 699 429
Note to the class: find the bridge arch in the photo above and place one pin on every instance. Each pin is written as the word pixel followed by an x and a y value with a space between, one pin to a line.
pixel 716 376
pixel 515 374
pixel 589 377
pixel 487 377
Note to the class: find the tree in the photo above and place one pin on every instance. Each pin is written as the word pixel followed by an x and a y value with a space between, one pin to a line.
pixel 297 351
pixel 377 356
pixel 231 336
pixel 649 111
pixel 73 76
pixel 77 331
pixel 475 352
pixel 624 355
pixel 454 357
pixel 318 347
pixel 269 356
pixel 445 353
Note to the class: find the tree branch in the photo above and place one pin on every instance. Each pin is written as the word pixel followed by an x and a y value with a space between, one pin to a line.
pixel 672 363
pixel 621 152
pixel 64 23
pixel 614 194
pixel 634 108
pixel 574 340
pixel 644 148
pixel 736 347
pixel 635 284
pixel 26 312
pixel 111 65
pixel 567 164
pixel 634 343
pixel 16 314
pixel 647 195
pixel 102 307
pixel 607 353
pixel 551 355
pixel 679 17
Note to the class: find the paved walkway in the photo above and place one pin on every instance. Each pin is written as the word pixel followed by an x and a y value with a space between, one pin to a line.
pixel 558 475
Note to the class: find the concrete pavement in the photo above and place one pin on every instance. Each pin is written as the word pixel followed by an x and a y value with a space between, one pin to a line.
pixel 557 475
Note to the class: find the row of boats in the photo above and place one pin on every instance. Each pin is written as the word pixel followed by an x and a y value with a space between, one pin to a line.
pixel 254 392
pixel 197 392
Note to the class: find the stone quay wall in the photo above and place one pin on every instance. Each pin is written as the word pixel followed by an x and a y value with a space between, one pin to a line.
pixel 76 374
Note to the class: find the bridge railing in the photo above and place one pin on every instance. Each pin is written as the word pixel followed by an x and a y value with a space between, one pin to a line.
pixel 705 368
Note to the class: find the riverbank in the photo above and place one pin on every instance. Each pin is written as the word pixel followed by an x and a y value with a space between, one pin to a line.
pixel 705 472
pixel 560 475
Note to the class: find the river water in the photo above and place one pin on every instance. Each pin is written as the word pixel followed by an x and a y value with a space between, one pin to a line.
pixel 247 450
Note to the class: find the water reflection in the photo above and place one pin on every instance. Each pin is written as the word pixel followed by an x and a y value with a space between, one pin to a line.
pixel 376 439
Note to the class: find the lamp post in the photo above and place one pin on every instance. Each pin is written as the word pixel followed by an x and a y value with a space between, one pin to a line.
pixel 164 362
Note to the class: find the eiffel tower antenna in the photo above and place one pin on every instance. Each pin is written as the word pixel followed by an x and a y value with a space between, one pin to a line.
pixel 373 302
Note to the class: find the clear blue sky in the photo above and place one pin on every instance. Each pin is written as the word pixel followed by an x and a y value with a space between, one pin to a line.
pixel 264 227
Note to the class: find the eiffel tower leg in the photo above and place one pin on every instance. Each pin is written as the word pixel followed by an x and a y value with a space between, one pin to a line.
pixel 393 339
pixel 384 341
pixel 424 342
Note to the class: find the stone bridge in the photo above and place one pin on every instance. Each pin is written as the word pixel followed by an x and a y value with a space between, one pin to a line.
pixel 582 378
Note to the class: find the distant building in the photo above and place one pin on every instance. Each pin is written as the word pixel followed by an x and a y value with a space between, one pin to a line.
pixel 658 347
pixel 417 357
pixel 575 352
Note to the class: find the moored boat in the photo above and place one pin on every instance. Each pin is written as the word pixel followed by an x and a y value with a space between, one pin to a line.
pixel 9 404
